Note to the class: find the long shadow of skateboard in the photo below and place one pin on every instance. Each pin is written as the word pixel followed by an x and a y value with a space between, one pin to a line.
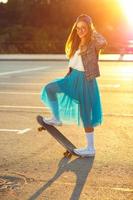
pixel 80 166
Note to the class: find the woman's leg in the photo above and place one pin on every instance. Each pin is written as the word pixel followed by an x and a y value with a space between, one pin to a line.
pixel 52 89
pixel 89 131
pixel 89 150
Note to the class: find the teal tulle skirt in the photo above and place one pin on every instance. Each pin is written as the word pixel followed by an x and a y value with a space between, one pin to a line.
pixel 78 99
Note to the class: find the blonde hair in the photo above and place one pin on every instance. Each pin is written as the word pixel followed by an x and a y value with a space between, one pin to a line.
pixel 73 40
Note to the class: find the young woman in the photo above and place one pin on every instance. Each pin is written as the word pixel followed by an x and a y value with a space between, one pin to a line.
pixel 75 98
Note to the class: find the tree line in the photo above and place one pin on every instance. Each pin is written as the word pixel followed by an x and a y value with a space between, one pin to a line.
pixel 42 26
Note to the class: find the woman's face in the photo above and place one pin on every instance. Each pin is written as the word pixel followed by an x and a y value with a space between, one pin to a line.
pixel 82 29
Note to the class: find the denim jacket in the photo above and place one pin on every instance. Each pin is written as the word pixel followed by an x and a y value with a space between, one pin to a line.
pixel 90 57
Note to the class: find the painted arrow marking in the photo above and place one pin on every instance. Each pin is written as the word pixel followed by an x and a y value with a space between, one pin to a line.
pixel 21 131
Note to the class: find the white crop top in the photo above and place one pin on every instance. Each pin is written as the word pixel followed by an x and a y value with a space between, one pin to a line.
pixel 76 61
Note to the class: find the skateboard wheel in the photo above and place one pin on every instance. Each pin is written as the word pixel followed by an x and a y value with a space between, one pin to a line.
pixel 41 128
pixel 67 154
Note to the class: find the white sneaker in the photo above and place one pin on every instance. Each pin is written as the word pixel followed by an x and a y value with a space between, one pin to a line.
pixel 53 121
pixel 85 152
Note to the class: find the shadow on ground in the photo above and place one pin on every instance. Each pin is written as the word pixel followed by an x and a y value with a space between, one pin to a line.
pixel 80 166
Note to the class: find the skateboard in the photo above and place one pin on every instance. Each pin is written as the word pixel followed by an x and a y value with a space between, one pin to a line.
pixel 60 138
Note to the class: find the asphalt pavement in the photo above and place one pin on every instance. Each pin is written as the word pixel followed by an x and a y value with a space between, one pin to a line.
pixel 32 164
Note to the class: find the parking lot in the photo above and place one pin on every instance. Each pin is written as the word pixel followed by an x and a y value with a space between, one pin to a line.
pixel 32 164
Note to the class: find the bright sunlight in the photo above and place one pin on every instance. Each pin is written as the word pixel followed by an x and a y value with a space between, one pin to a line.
pixel 127 6
pixel 3 1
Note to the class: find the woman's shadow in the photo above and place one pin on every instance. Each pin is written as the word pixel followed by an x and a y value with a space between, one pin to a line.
pixel 80 166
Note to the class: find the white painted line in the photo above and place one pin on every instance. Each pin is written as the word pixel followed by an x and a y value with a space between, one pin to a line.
pixel 38 93
pixel 27 93
pixel 17 84
pixel 109 85
pixel 23 107
pixel 46 108
pixel 24 131
pixel 21 93
pixel 23 70
pixel 109 78
pixel 123 189
pixel 16 130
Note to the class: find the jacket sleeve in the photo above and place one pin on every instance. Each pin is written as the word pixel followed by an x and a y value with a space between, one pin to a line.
pixel 99 40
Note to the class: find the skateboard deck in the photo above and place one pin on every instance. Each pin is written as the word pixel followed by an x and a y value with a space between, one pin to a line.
pixel 60 138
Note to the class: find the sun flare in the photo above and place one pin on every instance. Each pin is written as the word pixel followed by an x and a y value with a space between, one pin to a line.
pixel 127 6
pixel 3 1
